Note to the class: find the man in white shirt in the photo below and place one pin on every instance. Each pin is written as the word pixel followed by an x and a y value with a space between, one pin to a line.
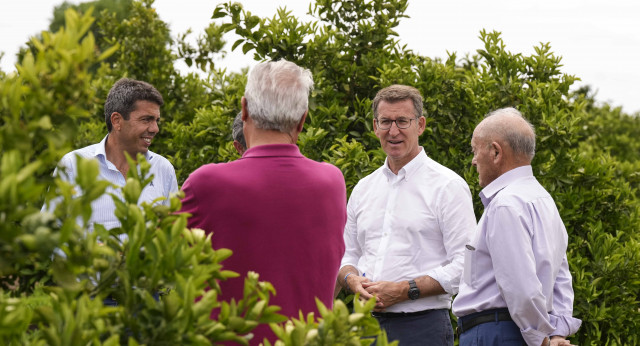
pixel 516 274
pixel 407 225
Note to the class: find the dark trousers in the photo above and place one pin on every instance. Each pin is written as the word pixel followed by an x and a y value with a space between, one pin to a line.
pixel 432 328
pixel 494 333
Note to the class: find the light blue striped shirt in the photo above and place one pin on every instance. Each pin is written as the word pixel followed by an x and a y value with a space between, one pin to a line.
pixel 163 184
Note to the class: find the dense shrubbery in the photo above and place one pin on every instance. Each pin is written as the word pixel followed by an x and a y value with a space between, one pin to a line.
pixel 587 158
pixel 54 297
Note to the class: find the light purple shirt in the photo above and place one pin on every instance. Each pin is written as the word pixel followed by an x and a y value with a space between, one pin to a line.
pixel 401 227
pixel 518 260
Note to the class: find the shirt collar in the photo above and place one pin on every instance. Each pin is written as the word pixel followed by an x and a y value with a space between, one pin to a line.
pixel 408 170
pixel 269 150
pixel 490 191
pixel 101 150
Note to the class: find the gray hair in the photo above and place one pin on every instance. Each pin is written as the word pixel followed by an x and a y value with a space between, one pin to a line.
pixel 521 136
pixel 277 95
pixel 123 96
pixel 236 131
pixel 396 93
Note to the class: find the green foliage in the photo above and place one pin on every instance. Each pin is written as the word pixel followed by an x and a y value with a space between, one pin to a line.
pixel 210 137
pixel 336 327
pixel 587 158
pixel 120 8
pixel 608 131
pixel 354 162
pixel 208 45
pixel 51 90
pixel 43 105
pixel 160 255
pixel 595 192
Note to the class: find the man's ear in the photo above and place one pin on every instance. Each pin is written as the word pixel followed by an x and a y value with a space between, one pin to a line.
pixel 116 120
pixel 238 147
pixel 496 152
pixel 301 123
pixel 245 113
pixel 422 124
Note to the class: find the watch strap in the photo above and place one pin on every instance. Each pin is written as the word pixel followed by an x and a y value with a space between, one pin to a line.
pixel 412 284
pixel 414 292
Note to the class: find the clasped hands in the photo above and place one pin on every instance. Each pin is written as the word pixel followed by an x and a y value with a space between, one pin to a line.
pixel 387 293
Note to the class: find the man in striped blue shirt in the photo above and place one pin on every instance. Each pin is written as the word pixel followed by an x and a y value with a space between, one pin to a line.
pixel 132 113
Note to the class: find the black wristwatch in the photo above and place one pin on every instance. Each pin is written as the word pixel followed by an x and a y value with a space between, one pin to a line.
pixel 414 292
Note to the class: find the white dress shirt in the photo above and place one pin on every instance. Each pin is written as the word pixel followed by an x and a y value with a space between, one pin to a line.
pixel 518 260
pixel 401 227
pixel 163 184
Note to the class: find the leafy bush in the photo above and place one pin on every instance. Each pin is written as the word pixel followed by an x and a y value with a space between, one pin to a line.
pixel 55 273
pixel 586 159
pixel 597 203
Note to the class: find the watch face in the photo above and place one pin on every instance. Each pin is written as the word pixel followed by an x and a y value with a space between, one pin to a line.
pixel 414 294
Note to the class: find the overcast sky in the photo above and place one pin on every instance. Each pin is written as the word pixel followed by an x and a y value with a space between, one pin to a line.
pixel 599 40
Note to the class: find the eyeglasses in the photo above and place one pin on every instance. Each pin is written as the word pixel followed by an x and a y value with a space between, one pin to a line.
pixel 401 123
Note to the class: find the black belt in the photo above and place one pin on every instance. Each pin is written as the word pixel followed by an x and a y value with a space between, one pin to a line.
pixel 494 315
pixel 399 314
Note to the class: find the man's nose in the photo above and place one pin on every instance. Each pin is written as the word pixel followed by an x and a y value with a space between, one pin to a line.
pixel 394 129
pixel 154 128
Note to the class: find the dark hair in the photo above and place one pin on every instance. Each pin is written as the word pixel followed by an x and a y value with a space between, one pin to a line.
pixel 236 130
pixel 123 96
pixel 396 93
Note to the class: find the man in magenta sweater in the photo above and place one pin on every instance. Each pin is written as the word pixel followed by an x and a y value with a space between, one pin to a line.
pixel 282 214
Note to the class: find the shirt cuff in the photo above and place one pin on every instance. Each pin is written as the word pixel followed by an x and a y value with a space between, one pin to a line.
pixel 564 325
pixel 533 337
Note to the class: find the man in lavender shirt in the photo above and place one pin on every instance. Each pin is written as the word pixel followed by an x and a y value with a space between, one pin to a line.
pixel 281 213
pixel 515 273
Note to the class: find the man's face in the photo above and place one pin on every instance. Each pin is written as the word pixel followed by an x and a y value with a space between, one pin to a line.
pixel 136 134
pixel 400 145
pixel 483 160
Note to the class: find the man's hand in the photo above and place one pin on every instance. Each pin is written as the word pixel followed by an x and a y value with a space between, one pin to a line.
pixel 387 293
pixel 560 341
pixel 355 283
